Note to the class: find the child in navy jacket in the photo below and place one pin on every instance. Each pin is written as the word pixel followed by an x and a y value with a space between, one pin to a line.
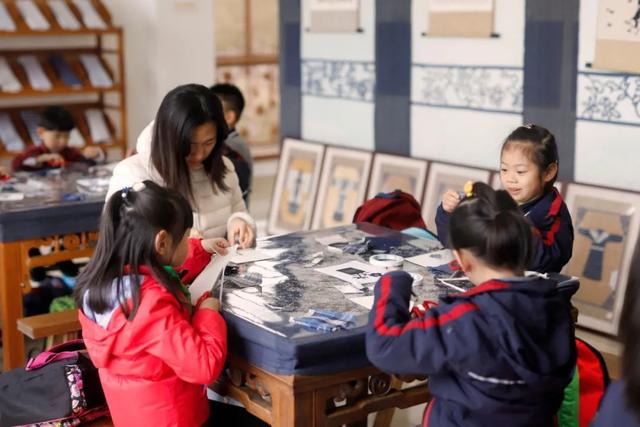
pixel 500 354
pixel 528 170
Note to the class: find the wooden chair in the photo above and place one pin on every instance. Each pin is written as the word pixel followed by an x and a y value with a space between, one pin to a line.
pixel 55 327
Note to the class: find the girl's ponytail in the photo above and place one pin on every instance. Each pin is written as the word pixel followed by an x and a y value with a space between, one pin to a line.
pixel 492 227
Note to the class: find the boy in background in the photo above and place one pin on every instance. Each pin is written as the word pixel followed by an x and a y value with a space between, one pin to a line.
pixel 237 149
pixel 54 129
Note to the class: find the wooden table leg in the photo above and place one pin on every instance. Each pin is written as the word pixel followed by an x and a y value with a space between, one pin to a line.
pixel 11 304
pixel 290 409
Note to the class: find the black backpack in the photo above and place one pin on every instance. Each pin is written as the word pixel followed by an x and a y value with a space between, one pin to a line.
pixel 60 385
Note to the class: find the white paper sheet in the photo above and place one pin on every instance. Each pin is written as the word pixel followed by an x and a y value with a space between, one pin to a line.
pixel 32 15
pixel 35 74
pixel 63 14
pixel 356 273
pixel 90 15
pixel 6 22
pixel 366 302
pixel 329 240
pixel 8 80
pixel 244 256
pixel 432 259
pixel 209 276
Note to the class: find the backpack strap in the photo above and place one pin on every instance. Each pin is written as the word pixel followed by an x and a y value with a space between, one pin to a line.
pixel 55 353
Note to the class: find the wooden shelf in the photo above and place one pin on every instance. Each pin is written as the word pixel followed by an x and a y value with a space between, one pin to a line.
pixel 22 29
pixel 113 108
pixel 58 86
pixel 247 60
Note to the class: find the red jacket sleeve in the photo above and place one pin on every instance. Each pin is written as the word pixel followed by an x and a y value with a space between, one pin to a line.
pixel 195 351
pixel 196 261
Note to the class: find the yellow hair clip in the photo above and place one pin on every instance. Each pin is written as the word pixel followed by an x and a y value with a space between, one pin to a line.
pixel 468 188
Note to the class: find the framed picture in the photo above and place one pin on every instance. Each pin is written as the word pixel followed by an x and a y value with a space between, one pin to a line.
pixel 606 226
pixel 334 16
pixel 442 178
pixel 296 186
pixel 343 183
pixel 391 173
pixel 497 185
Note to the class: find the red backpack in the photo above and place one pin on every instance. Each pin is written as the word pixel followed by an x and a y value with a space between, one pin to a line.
pixel 582 396
pixel 396 210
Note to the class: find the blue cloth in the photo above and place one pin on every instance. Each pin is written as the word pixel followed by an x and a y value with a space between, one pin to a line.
pixel 553 247
pixel 614 411
pixel 500 354
pixel 599 239
pixel 420 233
pixel 64 71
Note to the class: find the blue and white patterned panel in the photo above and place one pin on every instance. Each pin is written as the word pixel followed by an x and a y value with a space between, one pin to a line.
pixel 485 88
pixel 608 97
pixel 353 80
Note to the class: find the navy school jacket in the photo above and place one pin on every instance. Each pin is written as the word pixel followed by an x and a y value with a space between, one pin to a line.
pixel 500 354
pixel 550 216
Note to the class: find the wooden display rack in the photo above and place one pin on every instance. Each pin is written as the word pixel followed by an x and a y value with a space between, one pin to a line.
pixel 108 53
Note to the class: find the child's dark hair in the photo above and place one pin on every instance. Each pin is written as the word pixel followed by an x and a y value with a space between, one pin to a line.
pixel 538 144
pixel 490 224
pixel 629 331
pixel 231 96
pixel 56 119
pixel 182 110
pixel 128 228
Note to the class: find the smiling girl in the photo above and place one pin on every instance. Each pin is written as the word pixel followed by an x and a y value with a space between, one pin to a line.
pixel 528 170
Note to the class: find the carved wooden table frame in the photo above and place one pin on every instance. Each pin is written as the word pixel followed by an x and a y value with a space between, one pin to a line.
pixel 318 400
pixel 15 264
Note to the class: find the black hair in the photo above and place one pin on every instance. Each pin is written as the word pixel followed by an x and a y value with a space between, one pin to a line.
pixel 629 331
pixel 130 222
pixel 183 110
pixel 491 225
pixel 231 96
pixel 56 119
pixel 539 145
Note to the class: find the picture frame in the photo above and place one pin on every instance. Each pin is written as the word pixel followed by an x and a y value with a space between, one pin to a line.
pixel 390 173
pixel 295 187
pixel 443 177
pixel 497 185
pixel 343 185
pixel 606 225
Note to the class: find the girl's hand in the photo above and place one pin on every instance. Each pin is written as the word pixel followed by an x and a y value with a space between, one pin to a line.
pixel 240 231
pixel 216 245
pixel 207 301
pixel 450 200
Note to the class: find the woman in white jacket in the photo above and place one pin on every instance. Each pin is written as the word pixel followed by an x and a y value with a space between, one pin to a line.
pixel 182 150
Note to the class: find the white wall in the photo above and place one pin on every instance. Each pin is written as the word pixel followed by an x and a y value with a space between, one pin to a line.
pixel 449 124
pixel 167 43
pixel 607 140
pixel 337 120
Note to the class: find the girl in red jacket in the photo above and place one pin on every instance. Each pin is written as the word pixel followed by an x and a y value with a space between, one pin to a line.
pixel 155 352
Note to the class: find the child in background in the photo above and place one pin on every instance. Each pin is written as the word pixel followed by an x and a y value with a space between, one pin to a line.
pixel 237 149
pixel 500 354
pixel 54 129
pixel 528 170
pixel 155 351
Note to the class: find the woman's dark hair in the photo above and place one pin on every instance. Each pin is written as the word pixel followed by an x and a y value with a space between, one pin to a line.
pixel 491 225
pixel 629 332
pixel 538 144
pixel 130 222
pixel 182 110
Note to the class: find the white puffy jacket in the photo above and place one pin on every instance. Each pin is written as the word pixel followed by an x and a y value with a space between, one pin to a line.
pixel 212 211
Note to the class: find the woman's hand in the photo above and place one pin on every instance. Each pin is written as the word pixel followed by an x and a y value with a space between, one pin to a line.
pixel 92 152
pixel 450 200
pixel 241 232
pixel 217 245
